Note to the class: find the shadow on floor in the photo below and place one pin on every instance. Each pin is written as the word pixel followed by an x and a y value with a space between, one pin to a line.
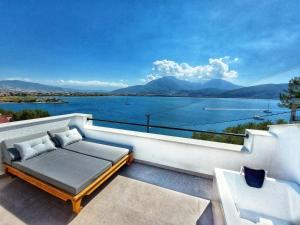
pixel 21 202
pixel 207 217
pixel 176 181
pixel 26 203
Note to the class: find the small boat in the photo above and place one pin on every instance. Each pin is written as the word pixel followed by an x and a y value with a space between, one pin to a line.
pixel 258 117
pixel 126 101
pixel 268 110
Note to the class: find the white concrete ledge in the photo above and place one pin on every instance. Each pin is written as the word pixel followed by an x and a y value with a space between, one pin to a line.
pixel 31 122
pixel 285 125
pixel 259 132
pixel 180 140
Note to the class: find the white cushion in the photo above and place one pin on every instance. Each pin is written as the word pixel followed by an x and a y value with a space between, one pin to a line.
pixel 33 147
pixel 68 137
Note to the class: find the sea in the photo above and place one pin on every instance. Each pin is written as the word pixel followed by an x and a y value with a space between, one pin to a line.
pixel 213 114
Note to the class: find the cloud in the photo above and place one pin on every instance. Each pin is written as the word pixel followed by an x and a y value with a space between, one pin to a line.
pixel 92 83
pixel 216 68
pixel 18 78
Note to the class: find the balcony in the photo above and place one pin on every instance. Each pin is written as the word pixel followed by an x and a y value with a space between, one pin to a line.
pixel 172 180
pixel 17 195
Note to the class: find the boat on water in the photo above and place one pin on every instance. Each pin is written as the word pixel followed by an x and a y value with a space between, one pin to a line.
pixel 258 117
pixel 268 109
pixel 126 101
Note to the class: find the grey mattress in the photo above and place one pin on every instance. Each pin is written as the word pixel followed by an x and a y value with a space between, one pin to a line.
pixel 98 150
pixel 69 171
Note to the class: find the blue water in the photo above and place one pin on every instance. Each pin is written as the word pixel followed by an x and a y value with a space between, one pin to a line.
pixel 168 111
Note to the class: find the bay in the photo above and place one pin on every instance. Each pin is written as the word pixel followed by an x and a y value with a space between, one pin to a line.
pixel 192 113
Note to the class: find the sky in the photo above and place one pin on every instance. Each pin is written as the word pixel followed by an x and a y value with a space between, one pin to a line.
pixel 111 44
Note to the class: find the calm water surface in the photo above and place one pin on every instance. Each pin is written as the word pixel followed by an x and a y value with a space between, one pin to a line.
pixel 194 113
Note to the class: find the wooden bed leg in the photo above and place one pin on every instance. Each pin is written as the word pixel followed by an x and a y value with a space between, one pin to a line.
pixel 6 170
pixel 76 204
pixel 130 159
pixel 8 173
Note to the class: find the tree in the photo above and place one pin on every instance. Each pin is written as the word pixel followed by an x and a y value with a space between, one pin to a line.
pixel 25 114
pixel 289 97
pixel 238 129
pixel 29 114
pixel 292 92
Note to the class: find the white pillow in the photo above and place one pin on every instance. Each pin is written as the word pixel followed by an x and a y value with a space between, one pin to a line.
pixel 34 147
pixel 68 137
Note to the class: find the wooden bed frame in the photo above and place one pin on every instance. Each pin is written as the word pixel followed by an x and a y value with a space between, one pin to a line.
pixel 75 199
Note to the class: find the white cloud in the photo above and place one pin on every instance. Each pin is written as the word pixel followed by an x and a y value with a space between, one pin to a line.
pixel 75 83
pixel 92 83
pixel 216 68
pixel 17 78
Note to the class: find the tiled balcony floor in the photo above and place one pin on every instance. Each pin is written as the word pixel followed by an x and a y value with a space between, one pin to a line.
pixel 21 203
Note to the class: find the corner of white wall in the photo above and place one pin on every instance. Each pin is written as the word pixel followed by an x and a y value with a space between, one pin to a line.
pixel 262 143
pixel 286 158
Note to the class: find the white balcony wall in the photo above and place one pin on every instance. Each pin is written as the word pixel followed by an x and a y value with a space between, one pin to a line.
pixel 187 154
pixel 286 158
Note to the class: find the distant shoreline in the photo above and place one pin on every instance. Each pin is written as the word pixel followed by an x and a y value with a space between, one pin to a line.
pixel 53 98
pixel 2 102
pixel 165 96
pixel 31 99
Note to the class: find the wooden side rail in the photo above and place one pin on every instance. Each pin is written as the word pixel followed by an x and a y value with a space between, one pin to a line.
pixel 75 199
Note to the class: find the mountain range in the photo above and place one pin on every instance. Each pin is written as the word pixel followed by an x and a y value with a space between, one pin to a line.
pixel 165 86
pixel 25 86
pixel 170 85
pixel 217 88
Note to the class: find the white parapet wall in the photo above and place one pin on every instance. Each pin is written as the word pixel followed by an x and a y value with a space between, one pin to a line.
pixel 286 158
pixel 189 154
pixel 185 154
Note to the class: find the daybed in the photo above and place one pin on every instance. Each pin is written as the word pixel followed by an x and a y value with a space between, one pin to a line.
pixel 63 163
